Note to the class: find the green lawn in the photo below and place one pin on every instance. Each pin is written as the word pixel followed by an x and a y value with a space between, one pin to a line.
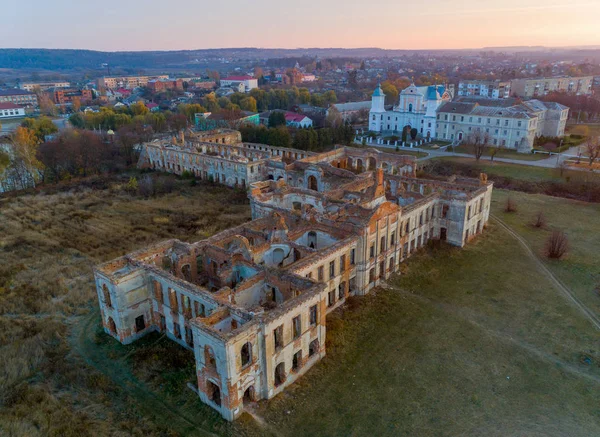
pixel 503 153
pixel 580 269
pixel 465 342
pixel 505 169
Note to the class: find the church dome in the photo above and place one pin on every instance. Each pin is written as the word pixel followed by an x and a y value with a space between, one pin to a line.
pixel 378 91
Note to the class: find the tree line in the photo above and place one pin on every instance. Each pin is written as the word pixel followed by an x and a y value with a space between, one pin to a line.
pixel 304 138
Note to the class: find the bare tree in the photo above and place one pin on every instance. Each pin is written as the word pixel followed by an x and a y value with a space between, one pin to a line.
pixel 510 206
pixel 478 145
pixel 592 147
pixel 557 245
pixel 540 220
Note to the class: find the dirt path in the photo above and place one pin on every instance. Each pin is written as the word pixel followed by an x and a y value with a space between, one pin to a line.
pixel 589 314
pixel 160 410
pixel 471 317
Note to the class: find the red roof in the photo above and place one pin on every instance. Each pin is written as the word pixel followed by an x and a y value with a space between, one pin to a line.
pixel 9 106
pixel 292 116
pixel 238 78
pixel 151 105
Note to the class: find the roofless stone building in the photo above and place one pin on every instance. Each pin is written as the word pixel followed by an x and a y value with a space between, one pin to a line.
pixel 251 302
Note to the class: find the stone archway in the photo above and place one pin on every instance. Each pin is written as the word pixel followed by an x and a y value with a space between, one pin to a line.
pixel 312 183
pixel 249 395
pixel 112 327
pixel 359 165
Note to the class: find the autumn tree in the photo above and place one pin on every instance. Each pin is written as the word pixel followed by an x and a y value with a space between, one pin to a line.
pixel 334 118
pixel 76 104
pixel 25 165
pixel 138 108
pixel 390 91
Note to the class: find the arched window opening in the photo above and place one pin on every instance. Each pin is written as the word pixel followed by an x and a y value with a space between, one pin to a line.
pixel 209 358
pixel 246 354
pixel 186 271
pixel 112 327
pixel 312 240
pixel 312 183
pixel 106 293
pixel 279 374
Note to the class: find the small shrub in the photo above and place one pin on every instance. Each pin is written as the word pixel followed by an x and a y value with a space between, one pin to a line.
pixel 557 245
pixel 511 205
pixel 187 175
pixel 132 185
pixel 146 186
pixel 540 220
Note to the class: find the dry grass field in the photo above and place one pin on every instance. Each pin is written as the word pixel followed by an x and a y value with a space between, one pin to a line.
pixel 48 245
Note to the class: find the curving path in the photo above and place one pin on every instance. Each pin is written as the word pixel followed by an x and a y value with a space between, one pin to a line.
pixel 589 314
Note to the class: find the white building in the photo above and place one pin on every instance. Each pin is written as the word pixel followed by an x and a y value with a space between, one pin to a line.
pixel 10 110
pixel 44 86
pixel 347 110
pixel 512 127
pixel 233 81
pixel 494 89
pixel 416 108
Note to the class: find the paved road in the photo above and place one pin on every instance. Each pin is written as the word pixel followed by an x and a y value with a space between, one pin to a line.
pixel 550 162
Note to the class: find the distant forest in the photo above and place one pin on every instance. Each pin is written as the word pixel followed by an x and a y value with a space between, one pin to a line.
pixel 69 60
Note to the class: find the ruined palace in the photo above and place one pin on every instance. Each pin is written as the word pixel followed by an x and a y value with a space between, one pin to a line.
pixel 251 302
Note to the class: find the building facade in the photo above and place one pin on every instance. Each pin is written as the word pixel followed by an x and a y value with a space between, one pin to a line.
pixel 233 81
pixel 127 82
pixel 19 97
pixel 512 127
pixel 494 89
pixel 43 86
pixel 10 110
pixel 531 88
pixel 158 85
pixel 416 108
pixel 64 96
pixel 251 302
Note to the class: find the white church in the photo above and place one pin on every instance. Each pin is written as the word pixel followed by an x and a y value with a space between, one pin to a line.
pixel 416 108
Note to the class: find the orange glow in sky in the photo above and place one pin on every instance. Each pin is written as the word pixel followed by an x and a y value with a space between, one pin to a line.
pixel 391 24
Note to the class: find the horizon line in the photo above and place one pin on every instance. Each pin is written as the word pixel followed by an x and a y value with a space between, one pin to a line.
pixel 576 46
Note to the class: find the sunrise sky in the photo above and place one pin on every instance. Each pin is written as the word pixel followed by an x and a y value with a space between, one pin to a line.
pixel 391 24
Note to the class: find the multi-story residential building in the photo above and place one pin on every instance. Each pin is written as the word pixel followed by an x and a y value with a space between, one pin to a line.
pixel 234 81
pixel 251 302
pixel 513 127
pixel 64 96
pixel 10 110
pixel 127 82
pixel 19 97
pixel 416 108
pixel 530 88
pixel 44 86
pixel 495 89
pixel 158 85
